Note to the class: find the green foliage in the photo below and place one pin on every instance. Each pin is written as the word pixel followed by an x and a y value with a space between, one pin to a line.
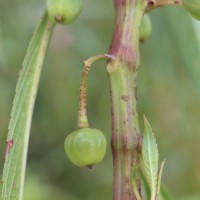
pixel 150 158
pixel 152 174
pixel 158 184
pixel 21 115
pixel 134 182
pixel 165 95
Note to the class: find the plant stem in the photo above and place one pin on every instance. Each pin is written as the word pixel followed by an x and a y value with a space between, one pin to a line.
pixel 82 111
pixel 123 90
pixel 161 3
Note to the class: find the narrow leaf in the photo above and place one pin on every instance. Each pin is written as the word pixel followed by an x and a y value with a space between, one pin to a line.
pixel 150 158
pixel 134 182
pixel 21 114
pixel 164 193
pixel 159 179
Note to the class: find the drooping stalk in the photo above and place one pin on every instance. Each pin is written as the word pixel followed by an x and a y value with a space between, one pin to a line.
pixel 82 110
pixel 123 89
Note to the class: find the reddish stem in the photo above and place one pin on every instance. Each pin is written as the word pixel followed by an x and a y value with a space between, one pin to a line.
pixel 122 74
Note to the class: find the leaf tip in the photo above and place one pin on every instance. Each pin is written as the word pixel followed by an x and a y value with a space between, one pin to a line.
pixel 147 125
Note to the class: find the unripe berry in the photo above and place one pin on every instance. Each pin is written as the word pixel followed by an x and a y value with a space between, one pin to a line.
pixel 64 11
pixel 145 28
pixel 85 147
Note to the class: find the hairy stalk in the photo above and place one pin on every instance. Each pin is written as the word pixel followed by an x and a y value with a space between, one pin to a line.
pixel 82 111
pixel 123 90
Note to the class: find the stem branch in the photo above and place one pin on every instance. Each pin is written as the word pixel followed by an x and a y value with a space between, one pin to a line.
pixel 82 111
pixel 160 3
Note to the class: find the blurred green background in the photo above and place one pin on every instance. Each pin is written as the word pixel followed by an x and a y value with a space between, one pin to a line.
pixel 168 93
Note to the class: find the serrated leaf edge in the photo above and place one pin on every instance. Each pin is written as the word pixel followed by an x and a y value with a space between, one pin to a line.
pixel 152 181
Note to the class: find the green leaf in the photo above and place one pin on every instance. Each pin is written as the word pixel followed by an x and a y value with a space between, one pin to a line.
pixel 21 114
pixel 164 193
pixel 150 158
pixel 159 180
pixel 145 187
pixel 134 182
pixel 186 44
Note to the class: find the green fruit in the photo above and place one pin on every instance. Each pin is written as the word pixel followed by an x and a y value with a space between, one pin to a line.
pixel 193 7
pixel 85 147
pixel 145 28
pixel 64 11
